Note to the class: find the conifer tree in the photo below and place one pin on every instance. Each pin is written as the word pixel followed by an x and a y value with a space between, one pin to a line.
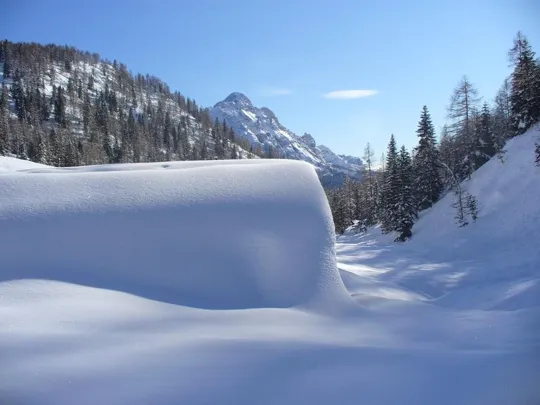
pixel 60 107
pixel 17 93
pixel 390 197
pixel 338 207
pixel 428 184
pixel 501 117
pixel 4 121
pixel 406 209
pixel 485 144
pixel 525 85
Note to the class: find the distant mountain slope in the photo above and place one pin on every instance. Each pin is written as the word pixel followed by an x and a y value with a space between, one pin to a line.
pixel 261 128
pixel 64 107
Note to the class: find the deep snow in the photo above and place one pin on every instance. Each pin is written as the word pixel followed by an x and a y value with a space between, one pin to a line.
pixel 216 282
pixel 12 165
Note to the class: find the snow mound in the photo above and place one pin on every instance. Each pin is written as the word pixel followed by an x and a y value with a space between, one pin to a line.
pixel 11 164
pixel 219 235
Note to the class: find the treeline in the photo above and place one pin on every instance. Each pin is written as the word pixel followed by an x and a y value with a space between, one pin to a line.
pixel 63 107
pixel 409 183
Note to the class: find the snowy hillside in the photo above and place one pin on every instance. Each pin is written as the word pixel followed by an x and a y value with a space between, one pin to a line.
pixel 262 129
pixel 65 107
pixel 488 272
pixel 216 282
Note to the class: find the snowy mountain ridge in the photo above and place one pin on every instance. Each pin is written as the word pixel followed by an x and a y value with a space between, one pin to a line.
pixel 66 107
pixel 262 129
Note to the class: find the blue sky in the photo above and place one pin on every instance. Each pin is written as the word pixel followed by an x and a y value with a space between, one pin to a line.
pixel 288 54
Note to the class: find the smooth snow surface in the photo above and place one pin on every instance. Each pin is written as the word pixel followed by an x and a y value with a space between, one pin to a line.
pixel 11 164
pixel 216 283
pixel 204 234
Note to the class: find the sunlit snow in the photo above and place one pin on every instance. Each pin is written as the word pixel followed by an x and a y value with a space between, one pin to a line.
pixel 217 283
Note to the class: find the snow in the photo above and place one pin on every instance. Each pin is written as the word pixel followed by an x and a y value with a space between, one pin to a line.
pixel 250 115
pixel 260 127
pixel 216 282
pixel 11 164
pixel 487 272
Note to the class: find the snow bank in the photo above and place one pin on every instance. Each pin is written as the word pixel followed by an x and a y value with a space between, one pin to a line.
pixel 11 164
pixel 203 234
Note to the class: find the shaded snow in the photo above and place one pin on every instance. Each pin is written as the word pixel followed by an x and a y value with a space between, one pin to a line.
pixel 185 210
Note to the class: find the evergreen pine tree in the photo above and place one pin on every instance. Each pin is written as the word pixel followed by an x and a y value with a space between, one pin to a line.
pixel 428 184
pixel 338 206
pixel 406 208
pixel 390 197
pixel 485 147
pixel 38 151
pixel 17 93
pixel 234 153
pixel 525 86
pixel 60 107
pixel 501 116
pixel 4 121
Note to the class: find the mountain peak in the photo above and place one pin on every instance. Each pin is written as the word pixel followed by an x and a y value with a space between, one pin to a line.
pixel 260 127
pixel 269 113
pixel 238 98
pixel 308 139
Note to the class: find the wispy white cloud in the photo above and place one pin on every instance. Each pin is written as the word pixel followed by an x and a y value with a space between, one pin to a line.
pixel 349 94
pixel 275 91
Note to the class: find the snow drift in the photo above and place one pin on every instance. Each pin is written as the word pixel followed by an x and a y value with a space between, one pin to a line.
pixel 215 235
pixel 216 283
pixel 11 164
